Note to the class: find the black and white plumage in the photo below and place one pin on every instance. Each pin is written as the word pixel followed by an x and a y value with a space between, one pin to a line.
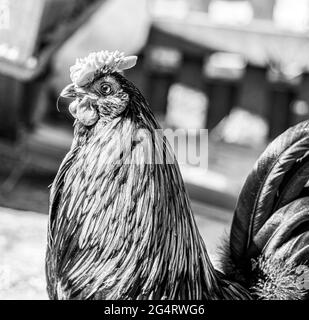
pixel 268 249
pixel 125 229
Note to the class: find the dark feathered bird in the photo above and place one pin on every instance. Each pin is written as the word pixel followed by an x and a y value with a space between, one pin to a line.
pixel 121 226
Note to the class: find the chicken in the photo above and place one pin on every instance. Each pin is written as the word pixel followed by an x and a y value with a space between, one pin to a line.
pixel 120 221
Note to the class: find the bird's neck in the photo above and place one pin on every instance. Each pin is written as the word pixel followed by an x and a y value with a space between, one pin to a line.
pixel 145 227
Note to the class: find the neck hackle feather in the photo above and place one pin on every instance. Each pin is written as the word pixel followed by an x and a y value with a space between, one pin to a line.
pixel 121 226
pixel 121 230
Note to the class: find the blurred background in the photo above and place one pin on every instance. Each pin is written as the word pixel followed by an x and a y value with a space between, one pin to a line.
pixel 237 68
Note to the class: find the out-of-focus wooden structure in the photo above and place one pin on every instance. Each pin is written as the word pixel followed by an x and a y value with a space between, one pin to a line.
pixel 34 32
pixel 266 87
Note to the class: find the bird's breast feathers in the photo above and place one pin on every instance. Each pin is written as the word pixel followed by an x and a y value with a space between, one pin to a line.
pixel 115 225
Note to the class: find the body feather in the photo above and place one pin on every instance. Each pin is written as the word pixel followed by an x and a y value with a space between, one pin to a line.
pixel 123 229
pixel 121 225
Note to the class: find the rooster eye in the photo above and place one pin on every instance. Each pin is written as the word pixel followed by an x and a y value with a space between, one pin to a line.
pixel 106 89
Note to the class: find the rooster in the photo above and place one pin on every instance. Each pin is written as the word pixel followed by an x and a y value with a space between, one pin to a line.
pixel 120 221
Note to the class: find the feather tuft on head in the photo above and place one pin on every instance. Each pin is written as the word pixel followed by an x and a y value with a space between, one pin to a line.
pixel 85 69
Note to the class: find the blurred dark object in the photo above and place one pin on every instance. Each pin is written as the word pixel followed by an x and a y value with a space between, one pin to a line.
pixel 282 94
pixel 264 48
pixel 162 63
pixel 170 59
pixel 263 9
pixel 223 72
pixel 200 5
pixel 37 29
pixel 300 109
pixel 37 152
pixel 21 103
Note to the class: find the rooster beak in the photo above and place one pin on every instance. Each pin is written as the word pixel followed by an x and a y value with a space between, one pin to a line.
pixel 69 91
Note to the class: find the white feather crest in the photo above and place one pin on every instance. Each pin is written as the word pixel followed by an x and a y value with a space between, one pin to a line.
pixel 85 69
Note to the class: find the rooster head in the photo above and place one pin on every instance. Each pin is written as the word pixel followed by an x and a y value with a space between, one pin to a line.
pixel 98 88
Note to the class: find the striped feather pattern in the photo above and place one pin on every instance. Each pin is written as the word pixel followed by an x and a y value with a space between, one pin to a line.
pixel 120 230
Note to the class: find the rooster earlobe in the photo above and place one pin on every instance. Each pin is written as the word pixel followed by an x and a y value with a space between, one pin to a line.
pixel 127 63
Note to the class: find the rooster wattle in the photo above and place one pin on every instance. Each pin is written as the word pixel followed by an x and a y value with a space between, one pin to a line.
pixel 121 226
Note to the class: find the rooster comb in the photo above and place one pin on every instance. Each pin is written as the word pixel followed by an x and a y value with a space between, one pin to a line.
pixel 86 69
